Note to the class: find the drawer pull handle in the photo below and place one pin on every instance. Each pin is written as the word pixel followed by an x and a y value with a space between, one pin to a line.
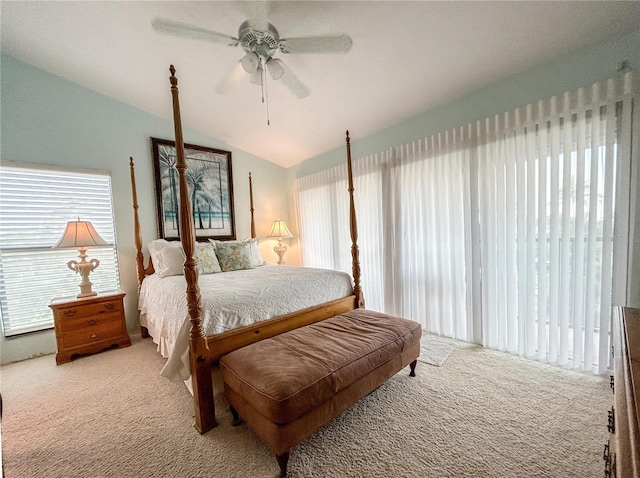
pixel 92 322
pixel 611 425
pixel 70 313
pixel 93 336
pixel 110 305
pixel 610 467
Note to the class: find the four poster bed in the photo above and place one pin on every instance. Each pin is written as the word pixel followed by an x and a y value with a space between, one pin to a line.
pixel 207 337
pixel 286 371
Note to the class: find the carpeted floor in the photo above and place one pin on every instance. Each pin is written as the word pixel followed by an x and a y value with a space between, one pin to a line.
pixel 481 414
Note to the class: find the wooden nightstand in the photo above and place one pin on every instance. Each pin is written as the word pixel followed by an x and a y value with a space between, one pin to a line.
pixel 89 325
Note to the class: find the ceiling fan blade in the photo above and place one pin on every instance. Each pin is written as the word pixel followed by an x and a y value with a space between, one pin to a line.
pixel 293 82
pixel 231 80
pixel 320 44
pixel 191 31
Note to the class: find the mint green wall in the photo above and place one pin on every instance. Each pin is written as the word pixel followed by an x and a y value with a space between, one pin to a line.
pixel 554 78
pixel 48 120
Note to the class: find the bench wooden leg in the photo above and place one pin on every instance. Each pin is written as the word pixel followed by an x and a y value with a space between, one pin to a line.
pixel 283 460
pixel 413 368
pixel 236 417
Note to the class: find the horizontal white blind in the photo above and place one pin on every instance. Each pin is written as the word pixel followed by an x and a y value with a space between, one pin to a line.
pixel 35 206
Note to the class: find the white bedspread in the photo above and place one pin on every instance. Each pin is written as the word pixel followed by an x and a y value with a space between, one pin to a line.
pixel 230 300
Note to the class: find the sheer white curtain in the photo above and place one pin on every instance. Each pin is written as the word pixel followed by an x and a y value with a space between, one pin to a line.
pixel 429 216
pixel 413 206
pixel 513 232
pixel 322 203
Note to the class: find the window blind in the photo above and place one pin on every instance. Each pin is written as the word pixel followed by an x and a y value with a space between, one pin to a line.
pixel 514 231
pixel 35 205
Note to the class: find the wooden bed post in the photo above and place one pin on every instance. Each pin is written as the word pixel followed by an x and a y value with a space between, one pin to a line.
pixel 140 269
pixel 357 291
pixel 253 223
pixel 205 414
pixel 136 226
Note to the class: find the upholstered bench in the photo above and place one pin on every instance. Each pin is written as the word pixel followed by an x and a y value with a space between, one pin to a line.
pixel 288 386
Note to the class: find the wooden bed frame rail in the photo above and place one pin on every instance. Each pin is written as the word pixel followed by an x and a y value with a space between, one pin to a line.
pixel 205 351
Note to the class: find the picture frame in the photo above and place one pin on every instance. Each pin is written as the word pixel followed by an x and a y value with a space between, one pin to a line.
pixel 210 182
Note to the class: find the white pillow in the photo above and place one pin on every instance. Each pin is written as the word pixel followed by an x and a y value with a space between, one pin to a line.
pixel 154 251
pixel 256 257
pixel 170 258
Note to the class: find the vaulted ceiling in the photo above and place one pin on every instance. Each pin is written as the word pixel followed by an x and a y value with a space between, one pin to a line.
pixel 406 57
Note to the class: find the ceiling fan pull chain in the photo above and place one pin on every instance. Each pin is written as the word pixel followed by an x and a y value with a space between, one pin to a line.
pixel 263 80
pixel 266 91
pixel 263 87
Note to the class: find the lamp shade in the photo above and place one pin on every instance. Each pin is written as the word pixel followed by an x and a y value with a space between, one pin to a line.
pixel 80 234
pixel 276 68
pixel 250 62
pixel 279 229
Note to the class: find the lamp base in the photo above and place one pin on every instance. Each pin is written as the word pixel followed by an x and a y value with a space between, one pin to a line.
pixel 84 268
pixel 280 249
pixel 86 293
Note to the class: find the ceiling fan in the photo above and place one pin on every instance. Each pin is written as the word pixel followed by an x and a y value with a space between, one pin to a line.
pixel 260 41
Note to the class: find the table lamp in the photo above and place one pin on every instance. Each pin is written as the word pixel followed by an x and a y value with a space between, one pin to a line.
pixel 81 235
pixel 280 231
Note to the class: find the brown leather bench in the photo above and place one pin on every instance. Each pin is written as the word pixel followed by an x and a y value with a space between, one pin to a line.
pixel 288 386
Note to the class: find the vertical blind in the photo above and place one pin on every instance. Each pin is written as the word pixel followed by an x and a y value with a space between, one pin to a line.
pixel 553 202
pixel 513 231
pixel 35 206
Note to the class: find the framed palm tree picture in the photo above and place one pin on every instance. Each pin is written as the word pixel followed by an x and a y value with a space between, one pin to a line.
pixel 210 184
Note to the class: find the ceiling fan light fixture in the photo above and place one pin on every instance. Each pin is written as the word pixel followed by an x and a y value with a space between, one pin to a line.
pixel 260 40
pixel 275 68
pixel 250 62
pixel 256 76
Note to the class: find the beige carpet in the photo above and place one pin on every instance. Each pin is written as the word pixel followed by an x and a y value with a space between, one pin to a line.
pixel 482 414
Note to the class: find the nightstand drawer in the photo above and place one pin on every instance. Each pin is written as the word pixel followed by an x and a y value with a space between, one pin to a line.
pixel 72 316
pixel 102 330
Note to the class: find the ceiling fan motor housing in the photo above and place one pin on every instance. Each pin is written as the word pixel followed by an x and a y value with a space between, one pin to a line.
pixel 263 42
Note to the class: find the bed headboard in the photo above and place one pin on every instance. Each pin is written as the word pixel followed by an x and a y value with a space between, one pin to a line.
pixel 141 270
pixel 186 218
